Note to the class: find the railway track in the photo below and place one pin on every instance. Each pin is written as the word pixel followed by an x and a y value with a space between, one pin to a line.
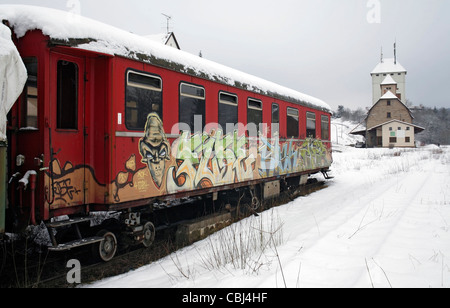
pixel 25 265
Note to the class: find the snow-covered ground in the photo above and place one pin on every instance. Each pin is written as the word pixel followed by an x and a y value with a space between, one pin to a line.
pixel 383 221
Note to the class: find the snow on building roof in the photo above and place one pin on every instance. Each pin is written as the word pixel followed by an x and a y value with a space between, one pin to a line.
pixel 388 80
pixel 389 66
pixel 168 39
pixel 389 95
pixel 84 33
pixel 417 128
pixel 160 38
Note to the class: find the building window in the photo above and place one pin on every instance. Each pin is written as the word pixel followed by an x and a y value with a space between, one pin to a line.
pixel 393 140
pixel 228 111
pixel 390 129
pixel 192 106
pixel 389 115
pixel 67 95
pixel 29 108
pixel 408 139
pixel 388 103
pixel 310 125
pixel 143 96
pixel 292 123
pixel 254 116
pixel 325 128
pixel 408 128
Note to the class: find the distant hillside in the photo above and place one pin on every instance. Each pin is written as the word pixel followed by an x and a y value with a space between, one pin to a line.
pixel 436 123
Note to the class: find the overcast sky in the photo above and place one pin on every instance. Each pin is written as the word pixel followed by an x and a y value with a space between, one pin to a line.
pixel 324 48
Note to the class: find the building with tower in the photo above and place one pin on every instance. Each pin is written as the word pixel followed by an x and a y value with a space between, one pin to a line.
pixel 389 122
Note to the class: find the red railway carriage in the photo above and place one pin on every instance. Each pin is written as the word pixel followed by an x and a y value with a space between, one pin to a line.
pixel 109 121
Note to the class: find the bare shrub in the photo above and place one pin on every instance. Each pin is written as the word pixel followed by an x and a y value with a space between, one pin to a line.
pixel 244 245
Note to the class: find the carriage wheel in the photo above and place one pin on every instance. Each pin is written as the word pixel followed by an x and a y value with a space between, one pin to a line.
pixel 106 249
pixel 149 234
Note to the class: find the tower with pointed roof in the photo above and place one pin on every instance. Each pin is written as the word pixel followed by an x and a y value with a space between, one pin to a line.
pixel 397 73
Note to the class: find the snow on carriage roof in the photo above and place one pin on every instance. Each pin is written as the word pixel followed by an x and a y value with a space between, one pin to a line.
pixel 84 33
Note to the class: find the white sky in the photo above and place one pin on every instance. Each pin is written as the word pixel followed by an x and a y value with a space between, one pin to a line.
pixel 324 48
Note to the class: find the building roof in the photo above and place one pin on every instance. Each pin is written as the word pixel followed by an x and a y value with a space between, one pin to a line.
pixel 389 95
pixel 160 37
pixel 417 128
pixel 361 129
pixel 68 29
pixel 388 66
pixel 388 80
pixel 164 38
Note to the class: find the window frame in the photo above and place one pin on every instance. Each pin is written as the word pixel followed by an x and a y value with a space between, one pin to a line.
pixel 260 103
pixel 327 127
pixel 227 103
pixel 192 96
pixel 32 82
pixel 308 135
pixel 275 129
pixel 61 121
pixel 297 135
pixel 142 86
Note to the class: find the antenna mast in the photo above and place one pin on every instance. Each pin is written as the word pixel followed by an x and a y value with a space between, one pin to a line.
pixel 168 21
pixel 395 52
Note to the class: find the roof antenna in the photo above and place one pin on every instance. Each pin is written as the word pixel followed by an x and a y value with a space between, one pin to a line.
pixel 168 20
pixel 395 52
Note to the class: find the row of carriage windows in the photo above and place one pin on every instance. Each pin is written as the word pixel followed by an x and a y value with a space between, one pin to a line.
pixel 144 96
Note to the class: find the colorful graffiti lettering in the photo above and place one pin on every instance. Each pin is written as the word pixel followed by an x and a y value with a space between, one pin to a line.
pixel 206 160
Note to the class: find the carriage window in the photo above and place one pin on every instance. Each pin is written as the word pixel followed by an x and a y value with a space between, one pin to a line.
pixel 228 111
pixel 325 128
pixel 310 125
pixel 67 95
pixel 254 116
pixel 192 106
pixel 292 123
pixel 275 120
pixel 29 108
pixel 143 96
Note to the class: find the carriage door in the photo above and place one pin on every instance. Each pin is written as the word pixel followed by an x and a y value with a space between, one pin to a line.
pixel 66 136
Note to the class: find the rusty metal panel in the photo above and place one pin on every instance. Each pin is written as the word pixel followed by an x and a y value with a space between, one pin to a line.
pixel 272 189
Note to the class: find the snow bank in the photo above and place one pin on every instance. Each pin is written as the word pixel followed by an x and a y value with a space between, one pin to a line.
pixel 91 35
pixel 340 133
pixel 13 76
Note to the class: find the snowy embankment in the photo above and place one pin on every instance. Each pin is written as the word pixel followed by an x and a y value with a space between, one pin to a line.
pixel 383 221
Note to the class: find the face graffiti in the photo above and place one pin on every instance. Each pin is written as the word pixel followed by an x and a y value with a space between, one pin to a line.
pixel 155 148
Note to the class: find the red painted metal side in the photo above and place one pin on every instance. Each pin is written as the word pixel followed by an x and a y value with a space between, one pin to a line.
pixel 85 168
